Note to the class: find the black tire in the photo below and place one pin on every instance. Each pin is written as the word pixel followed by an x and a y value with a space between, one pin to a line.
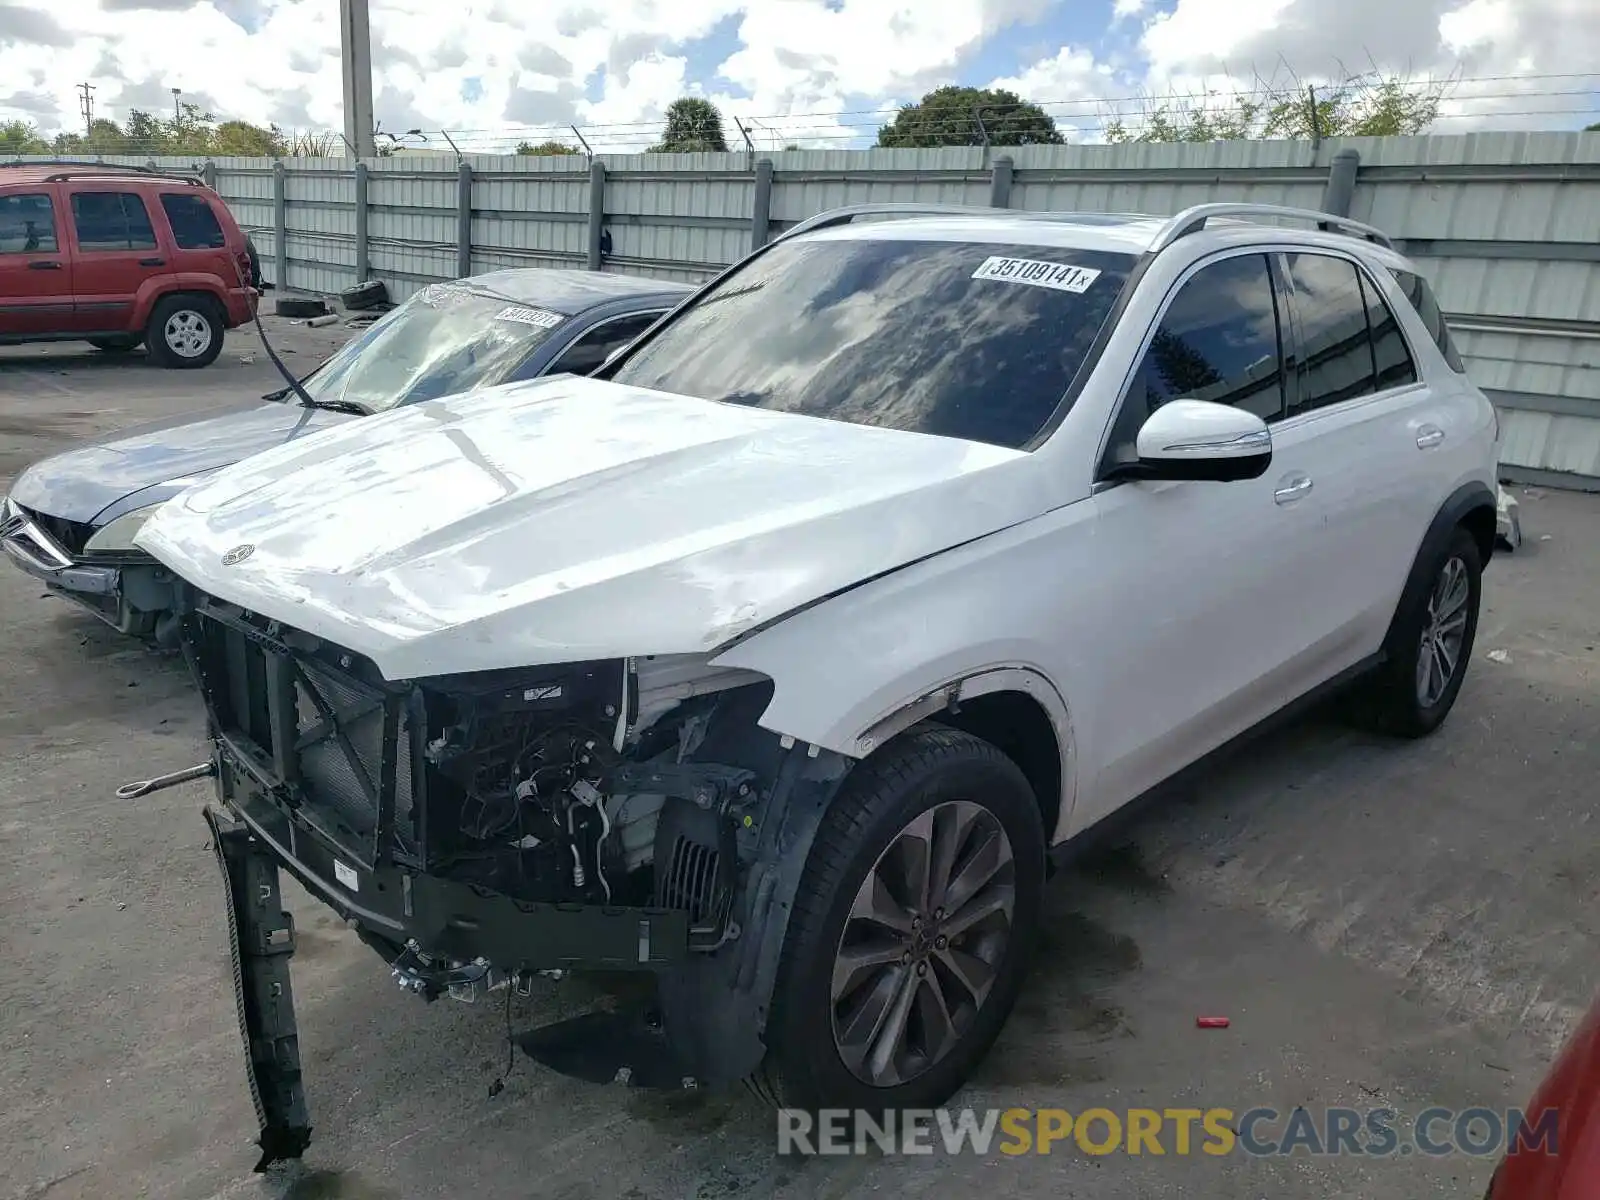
pixel 300 306
pixel 926 770
pixel 185 332
pixel 117 345
pixel 363 296
pixel 1394 700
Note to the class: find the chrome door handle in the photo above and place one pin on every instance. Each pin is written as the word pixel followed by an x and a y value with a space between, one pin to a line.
pixel 1292 489
pixel 1429 436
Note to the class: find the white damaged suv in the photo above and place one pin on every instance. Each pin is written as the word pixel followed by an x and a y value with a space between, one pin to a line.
pixel 774 659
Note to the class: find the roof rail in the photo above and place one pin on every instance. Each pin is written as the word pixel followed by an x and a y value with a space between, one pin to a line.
pixel 92 168
pixel 851 212
pixel 1193 220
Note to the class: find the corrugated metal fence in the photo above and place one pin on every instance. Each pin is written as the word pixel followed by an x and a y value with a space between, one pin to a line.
pixel 1506 226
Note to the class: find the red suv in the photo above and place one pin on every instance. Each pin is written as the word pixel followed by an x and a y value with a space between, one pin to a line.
pixel 116 256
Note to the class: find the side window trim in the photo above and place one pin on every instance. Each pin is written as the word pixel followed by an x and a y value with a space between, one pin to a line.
pixel 1130 372
pixel 1366 279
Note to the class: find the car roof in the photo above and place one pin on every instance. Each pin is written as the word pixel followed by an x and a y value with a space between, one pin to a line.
pixel 572 292
pixel 1208 226
pixel 1130 233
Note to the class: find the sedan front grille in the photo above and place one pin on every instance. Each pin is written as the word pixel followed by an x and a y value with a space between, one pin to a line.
pixel 71 536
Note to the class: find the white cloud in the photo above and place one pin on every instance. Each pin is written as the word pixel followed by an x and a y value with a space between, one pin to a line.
pixel 482 67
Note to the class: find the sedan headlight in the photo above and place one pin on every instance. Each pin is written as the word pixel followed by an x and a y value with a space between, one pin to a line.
pixel 116 537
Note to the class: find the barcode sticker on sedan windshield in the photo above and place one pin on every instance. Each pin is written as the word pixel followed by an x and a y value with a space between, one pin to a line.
pixel 529 316
pixel 1060 276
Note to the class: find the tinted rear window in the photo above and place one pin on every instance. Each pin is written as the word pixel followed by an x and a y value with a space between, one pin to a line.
pixel 194 225
pixel 967 340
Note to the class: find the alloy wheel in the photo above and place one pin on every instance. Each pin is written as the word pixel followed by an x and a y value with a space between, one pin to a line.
pixel 187 334
pixel 923 944
pixel 1444 630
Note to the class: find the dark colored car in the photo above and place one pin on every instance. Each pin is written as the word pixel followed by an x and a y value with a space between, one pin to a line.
pixel 70 519
pixel 1534 1169
pixel 119 256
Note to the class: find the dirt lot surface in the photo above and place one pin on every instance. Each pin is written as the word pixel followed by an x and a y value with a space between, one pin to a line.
pixel 1386 925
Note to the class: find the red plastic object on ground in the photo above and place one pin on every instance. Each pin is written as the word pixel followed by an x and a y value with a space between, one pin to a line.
pixel 1211 1022
pixel 1572 1088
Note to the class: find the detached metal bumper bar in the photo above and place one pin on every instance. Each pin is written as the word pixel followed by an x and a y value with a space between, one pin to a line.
pixel 261 938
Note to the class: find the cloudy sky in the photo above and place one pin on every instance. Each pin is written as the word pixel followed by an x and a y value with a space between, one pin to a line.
pixel 813 71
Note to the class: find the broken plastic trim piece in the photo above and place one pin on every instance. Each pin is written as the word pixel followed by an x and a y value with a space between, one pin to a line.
pixel 261 941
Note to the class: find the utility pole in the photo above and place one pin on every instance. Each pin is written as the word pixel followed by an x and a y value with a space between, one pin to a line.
pixel 355 54
pixel 86 107
pixel 177 111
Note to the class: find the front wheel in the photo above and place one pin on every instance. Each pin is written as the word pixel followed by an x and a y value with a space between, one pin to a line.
pixel 184 332
pixel 1432 644
pixel 910 931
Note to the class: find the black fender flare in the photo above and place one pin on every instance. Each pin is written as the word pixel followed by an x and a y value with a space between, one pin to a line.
pixel 1464 500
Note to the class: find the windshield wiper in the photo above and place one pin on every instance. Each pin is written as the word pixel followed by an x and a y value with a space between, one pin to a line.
pixel 343 406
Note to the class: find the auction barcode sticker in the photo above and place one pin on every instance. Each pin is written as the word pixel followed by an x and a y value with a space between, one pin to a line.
pixel 1060 276
pixel 530 316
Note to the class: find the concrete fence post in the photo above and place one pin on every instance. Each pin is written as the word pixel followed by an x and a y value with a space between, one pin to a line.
pixel 1341 190
pixel 1000 182
pixel 363 249
pixel 761 205
pixel 597 211
pixel 280 225
pixel 463 221
pixel 208 174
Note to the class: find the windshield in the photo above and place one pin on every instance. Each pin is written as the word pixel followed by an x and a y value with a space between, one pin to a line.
pixel 968 340
pixel 445 339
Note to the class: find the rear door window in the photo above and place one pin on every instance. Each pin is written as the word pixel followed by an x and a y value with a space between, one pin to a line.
pixel 194 225
pixel 1219 341
pixel 27 224
pixel 1350 343
pixel 112 221
pixel 1422 299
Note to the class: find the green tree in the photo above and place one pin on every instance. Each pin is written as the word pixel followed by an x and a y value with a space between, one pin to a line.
pixel 693 123
pixel 21 137
pixel 550 147
pixel 105 136
pixel 1595 128
pixel 248 141
pixel 964 116
pixel 1366 105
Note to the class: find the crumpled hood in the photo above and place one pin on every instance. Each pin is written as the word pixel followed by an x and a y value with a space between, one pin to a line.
pixel 569 519
pixel 82 483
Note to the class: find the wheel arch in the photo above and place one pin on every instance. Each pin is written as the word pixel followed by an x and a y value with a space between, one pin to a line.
pixel 1472 506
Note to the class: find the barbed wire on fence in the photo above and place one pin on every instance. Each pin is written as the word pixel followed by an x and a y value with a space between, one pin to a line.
pixel 1459 103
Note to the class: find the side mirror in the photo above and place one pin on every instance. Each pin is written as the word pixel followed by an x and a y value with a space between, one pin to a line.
pixel 1197 439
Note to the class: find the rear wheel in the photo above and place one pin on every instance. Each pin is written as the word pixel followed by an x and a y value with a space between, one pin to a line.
pixel 120 344
pixel 184 332
pixel 1431 645
pixel 910 929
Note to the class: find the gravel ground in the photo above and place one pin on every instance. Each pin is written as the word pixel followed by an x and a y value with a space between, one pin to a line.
pixel 1386 925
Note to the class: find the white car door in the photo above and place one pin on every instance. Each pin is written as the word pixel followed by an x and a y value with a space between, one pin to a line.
pixel 1202 583
pixel 1368 427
